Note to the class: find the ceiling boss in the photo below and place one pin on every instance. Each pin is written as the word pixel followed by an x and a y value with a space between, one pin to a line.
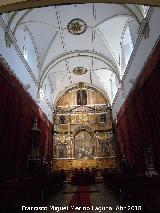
pixel 79 71
pixel 77 26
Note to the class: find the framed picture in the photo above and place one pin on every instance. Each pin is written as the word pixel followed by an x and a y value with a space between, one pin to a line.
pixel 102 118
pixel 81 97
pixel 62 119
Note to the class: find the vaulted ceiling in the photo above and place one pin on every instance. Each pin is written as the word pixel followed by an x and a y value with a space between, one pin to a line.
pixel 10 5
pixel 77 42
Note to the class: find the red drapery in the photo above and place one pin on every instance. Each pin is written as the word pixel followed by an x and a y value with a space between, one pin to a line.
pixel 17 113
pixel 138 122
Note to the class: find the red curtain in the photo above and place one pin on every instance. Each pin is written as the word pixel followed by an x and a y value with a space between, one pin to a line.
pixel 138 122
pixel 17 113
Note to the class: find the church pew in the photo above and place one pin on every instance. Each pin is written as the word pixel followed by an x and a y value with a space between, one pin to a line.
pixel 31 191
pixel 136 189
pixel 83 177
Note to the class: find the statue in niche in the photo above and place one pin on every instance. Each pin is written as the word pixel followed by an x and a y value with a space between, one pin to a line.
pixel 81 97
pixel 102 118
pixel 54 151
pixel 62 119
pixel 105 149
pixel 62 151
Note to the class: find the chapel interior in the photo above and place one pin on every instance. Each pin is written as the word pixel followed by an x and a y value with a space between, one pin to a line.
pixel 79 106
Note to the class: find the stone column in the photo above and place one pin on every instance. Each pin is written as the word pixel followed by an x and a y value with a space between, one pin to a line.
pixel 96 144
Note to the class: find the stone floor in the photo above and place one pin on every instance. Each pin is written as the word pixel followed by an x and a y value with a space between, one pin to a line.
pixel 102 199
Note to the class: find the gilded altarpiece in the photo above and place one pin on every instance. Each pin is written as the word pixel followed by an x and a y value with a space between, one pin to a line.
pixel 83 132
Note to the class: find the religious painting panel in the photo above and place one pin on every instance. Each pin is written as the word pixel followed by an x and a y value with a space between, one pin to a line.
pixel 109 135
pixel 73 119
pixel 104 149
pixel 81 97
pixel 84 145
pixel 83 118
pixel 72 98
pixel 102 136
pixel 102 118
pixel 92 118
pixel 62 128
pixel 62 119
pixel 92 97
pixel 62 151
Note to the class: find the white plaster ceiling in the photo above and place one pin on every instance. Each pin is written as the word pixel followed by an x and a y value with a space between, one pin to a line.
pixel 59 52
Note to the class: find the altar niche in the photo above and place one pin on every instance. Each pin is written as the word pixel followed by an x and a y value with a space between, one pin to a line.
pixel 84 145
pixel 81 97
pixel 62 151
pixel 62 119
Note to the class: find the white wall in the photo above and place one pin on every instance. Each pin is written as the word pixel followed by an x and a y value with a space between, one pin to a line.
pixel 25 43
pixel 13 56
pixel 138 59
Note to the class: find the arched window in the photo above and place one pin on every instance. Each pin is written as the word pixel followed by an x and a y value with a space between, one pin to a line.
pixel 144 10
pixel 27 45
pixel 127 45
